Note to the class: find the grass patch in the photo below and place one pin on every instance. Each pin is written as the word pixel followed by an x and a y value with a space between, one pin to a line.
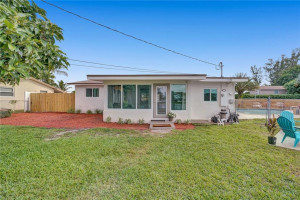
pixel 211 162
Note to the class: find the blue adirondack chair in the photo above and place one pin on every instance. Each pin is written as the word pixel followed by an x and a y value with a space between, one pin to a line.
pixel 288 127
pixel 289 116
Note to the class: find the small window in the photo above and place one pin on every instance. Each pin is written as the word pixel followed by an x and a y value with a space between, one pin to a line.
pixel 114 96
pixel 43 91
pixel 92 92
pixel 95 92
pixel 210 94
pixel 276 92
pixel 88 92
pixel 129 96
pixel 144 97
pixel 178 97
pixel 9 92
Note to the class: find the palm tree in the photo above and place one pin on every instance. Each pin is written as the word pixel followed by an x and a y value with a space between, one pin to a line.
pixel 250 85
pixel 62 85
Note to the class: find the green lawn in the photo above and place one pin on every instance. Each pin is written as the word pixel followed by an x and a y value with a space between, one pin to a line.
pixel 211 162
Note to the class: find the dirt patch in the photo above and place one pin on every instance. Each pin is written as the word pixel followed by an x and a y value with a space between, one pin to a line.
pixel 63 133
pixel 71 121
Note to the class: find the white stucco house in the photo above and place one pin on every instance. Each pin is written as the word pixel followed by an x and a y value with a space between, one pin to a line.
pixel 150 97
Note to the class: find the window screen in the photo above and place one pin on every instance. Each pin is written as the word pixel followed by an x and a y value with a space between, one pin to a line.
pixel 114 96
pixel 129 96
pixel 6 91
pixel 178 97
pixel 144 97
pixel 95 92
pixel 88 92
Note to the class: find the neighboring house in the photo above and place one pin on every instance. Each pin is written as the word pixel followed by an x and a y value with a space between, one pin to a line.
pixel 149 97
pixel 16 97
pixel 269 90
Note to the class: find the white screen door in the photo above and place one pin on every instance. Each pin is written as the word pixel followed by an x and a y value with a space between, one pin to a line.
pixel 161 100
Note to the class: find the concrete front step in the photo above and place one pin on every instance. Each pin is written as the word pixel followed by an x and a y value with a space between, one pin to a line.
pixel 161 125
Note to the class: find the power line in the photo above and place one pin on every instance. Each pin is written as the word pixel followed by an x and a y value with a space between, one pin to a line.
pixel 128 35
pixel 123 67
pixel 97 67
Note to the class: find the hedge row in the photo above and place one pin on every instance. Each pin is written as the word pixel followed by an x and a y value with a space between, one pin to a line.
pixel 273 96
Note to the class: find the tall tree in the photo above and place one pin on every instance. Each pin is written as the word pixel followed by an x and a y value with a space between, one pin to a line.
pixel 27 42
pixel 278 68
pixel 250 85
pixel 293 87
pixel 257 74
pixel 63 85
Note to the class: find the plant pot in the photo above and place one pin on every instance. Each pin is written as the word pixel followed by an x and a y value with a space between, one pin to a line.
pixel 271 140
pixel 171 119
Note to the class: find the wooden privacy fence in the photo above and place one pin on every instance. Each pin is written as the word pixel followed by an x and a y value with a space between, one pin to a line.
pixel 281 104
pixel 52 102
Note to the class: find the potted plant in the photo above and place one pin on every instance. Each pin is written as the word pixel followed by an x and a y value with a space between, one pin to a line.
pixel 272 127
pixel 171 116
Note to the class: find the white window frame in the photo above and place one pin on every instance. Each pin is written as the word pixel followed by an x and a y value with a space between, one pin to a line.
pixel 210 94
pixel 136 98
pixel 92 93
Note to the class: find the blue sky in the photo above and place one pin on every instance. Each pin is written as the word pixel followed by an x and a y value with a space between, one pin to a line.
pixel 238 33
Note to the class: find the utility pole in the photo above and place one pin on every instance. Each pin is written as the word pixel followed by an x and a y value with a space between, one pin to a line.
pixel 221 67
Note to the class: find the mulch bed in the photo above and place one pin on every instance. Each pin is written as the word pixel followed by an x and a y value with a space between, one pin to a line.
pixel 74 121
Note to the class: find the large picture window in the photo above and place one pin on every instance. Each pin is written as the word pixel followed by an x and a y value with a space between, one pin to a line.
pixel 178 97
pixel 114 96
pixel 210 95
pixel 6 92
pixel 144 96
pixel 129 96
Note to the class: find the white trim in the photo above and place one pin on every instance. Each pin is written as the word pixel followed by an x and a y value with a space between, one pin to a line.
pixel 226 80
pixel 132 77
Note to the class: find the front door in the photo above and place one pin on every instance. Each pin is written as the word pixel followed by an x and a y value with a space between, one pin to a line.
pixel 161 98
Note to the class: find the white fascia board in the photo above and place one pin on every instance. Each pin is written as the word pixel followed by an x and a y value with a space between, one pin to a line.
pixel 225 80
pixel 112 78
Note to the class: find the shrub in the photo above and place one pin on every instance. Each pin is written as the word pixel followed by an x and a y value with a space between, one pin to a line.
pixel 108 119
pixel 98 111
pixel 89 112
pixel 127 121
pixel 120 121
pixel 273 96
pixel 178 121
pixel 141 121
pixel 5 113
pixel 71 110
pixel 187 121
pixel 78 111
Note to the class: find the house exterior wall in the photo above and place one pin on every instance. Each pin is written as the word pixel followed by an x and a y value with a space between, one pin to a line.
pixel 19 92
pixel 88 103
pixel 136 114
pixel 204 110
pixel 196 107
